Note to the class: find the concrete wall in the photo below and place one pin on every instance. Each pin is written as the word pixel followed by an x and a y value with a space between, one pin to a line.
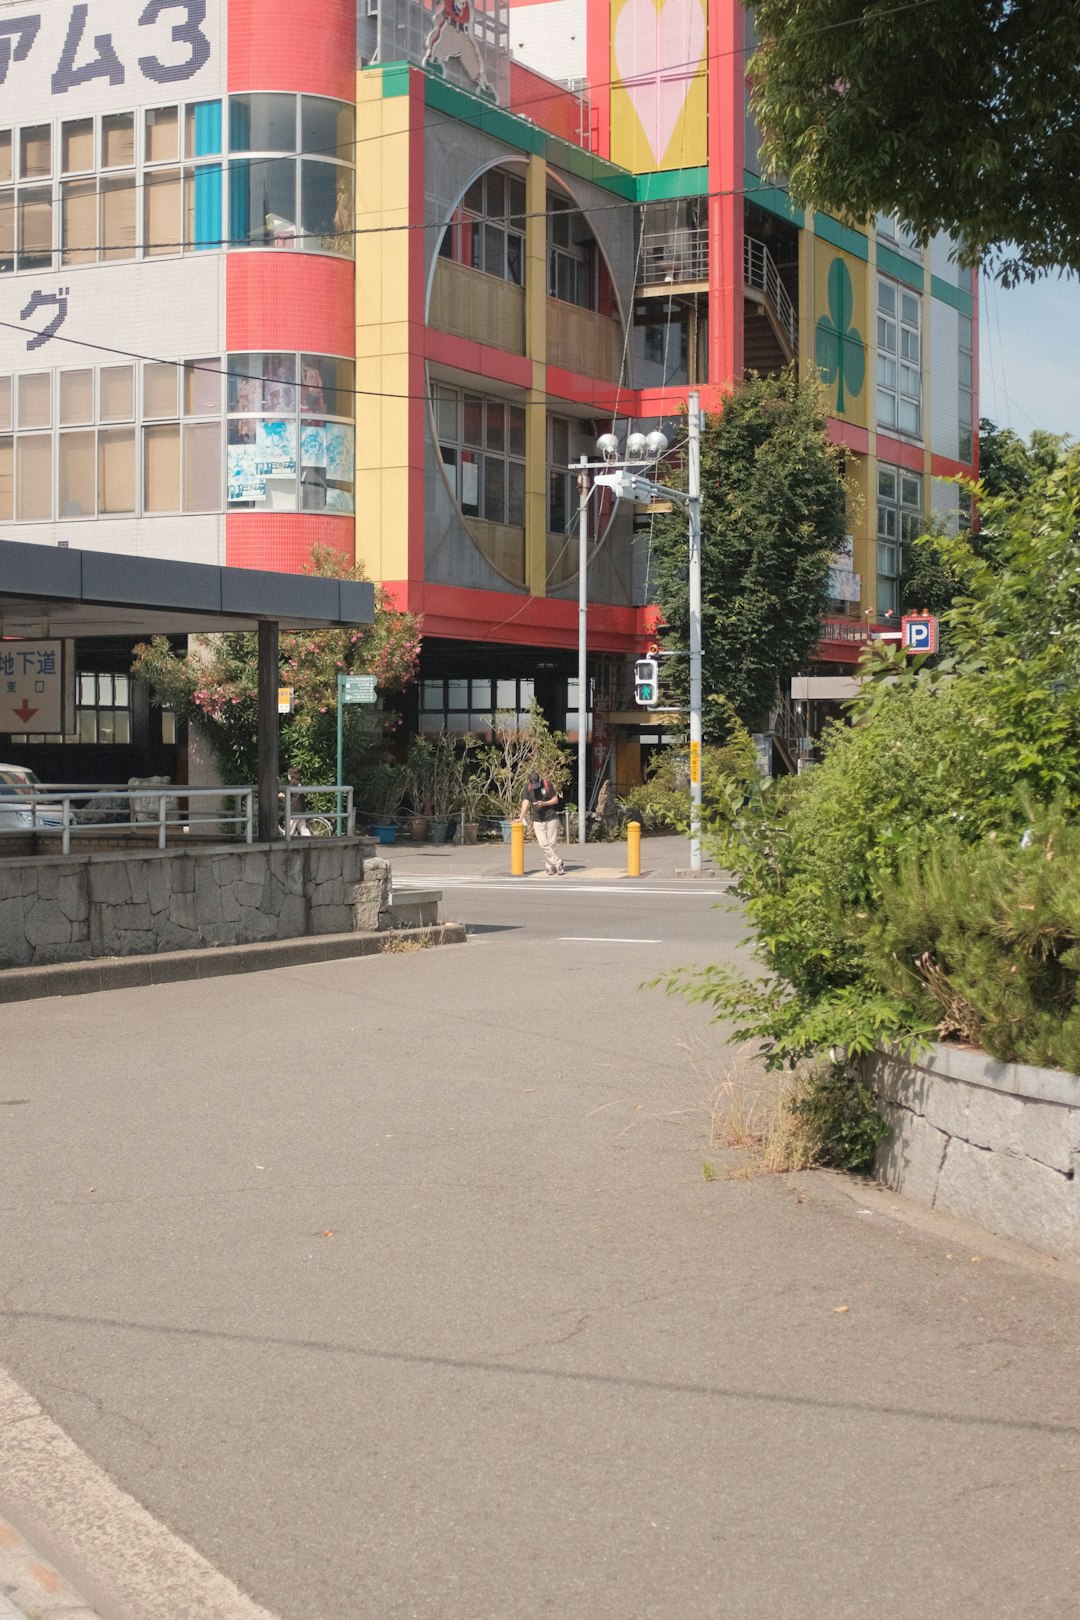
pixel 57 909
pixel 996 1143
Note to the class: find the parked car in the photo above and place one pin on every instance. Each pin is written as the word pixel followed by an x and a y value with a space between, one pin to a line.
pixel 19 782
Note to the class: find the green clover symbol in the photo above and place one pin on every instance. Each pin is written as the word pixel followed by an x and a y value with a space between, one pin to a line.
pixel 839 353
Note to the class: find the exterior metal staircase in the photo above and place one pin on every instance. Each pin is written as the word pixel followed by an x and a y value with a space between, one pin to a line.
pixel 771 326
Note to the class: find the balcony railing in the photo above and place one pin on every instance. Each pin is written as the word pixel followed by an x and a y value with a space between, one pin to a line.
pixel 759 270
pixel 674 257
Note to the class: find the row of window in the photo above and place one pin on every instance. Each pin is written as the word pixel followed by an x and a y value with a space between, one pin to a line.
pixel 899 359
pixel 488 233
pixel 457 704
pixel 899 521
pixel 120 441
pixel 153 184
pixel 482 444
pixel 965 401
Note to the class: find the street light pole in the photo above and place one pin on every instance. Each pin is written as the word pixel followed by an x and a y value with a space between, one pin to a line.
pixel 582 660
pixel 693 504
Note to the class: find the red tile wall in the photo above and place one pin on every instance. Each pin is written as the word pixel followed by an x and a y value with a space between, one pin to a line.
pixel 289 300
pixel 282 541
pixel 286 45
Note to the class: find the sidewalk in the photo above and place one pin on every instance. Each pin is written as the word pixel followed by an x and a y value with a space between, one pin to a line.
pixel 30 1588
pixel 666 858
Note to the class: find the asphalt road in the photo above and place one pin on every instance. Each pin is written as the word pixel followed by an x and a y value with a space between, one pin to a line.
pixel 395 1286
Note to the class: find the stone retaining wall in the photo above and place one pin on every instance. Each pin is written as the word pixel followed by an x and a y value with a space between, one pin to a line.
pixel 64 909
pixel 996 1143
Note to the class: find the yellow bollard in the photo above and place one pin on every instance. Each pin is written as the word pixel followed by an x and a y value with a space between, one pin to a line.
pixel 633 849
pixel 517 849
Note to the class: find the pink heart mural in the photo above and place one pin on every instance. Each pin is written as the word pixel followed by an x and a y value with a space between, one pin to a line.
pixel 657 50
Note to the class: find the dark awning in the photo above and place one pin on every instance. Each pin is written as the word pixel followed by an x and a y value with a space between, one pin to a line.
pixel 48 591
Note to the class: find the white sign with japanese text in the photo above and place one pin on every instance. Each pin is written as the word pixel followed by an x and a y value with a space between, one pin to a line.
pixel 60 58
pixel 31 686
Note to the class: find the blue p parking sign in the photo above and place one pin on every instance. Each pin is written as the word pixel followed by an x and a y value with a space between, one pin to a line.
pixel 919 633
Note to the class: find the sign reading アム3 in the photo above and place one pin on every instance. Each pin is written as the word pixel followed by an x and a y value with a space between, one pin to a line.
pixel 62 57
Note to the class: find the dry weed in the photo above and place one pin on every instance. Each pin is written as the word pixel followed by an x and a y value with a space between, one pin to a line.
pixel 755 1112
pixel 404 944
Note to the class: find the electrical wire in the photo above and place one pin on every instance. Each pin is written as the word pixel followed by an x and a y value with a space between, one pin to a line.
pixel 483 111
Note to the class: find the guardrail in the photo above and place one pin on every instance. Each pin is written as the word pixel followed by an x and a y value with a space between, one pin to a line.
pixel 674 256
pixel 75 808
pixel 305 823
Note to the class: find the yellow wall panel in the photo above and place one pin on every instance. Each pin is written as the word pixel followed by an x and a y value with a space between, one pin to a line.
pixel 844 362
pixel 658 84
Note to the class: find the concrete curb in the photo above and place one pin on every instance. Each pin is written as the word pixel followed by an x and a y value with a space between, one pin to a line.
pixel 130 972
pixel 30 1588
pixel 127 1563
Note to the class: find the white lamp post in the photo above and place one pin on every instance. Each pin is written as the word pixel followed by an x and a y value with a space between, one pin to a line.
pixel 618 475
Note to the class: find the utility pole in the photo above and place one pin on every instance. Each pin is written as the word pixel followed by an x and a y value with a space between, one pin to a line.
pixel 694 512
pixel 582 660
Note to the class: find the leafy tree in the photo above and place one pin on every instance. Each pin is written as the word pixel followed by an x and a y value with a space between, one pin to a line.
pixel 928 584
pixel 214 685
pixel 772 517
pixel 959 115
pixel 1008 465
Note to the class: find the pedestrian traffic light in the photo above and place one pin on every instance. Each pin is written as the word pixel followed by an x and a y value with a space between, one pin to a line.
pixel 645 682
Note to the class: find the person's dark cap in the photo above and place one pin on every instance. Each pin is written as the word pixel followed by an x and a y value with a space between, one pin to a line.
pixel 534 779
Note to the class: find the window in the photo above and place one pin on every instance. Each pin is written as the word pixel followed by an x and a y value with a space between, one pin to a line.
pixel 895 232
pixel 482 442
pixel 115 444
pixel 182 457
pixel 966 394
pixel 124 185
pixel 102 708
pixel 291 443
pixel 899 520
pixel 567 439
pixel 304 202
pixel 571 254
pixel 488 231
pixel 899 361
pixel 459 704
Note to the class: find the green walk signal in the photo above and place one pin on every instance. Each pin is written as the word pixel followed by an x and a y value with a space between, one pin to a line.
pixel 646 682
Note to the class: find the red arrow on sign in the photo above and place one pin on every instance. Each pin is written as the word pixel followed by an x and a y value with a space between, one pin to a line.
pixel 24 711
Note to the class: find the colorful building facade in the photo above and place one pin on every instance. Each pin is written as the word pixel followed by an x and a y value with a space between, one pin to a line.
pixel 376 279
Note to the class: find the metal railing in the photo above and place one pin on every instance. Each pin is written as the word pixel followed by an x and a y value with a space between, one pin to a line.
pixel 71 809
pixel 92 807
pixel 306 823
pixel 759 270
pixel 674 256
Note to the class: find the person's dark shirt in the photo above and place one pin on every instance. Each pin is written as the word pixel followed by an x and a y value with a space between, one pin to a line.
pixel 543 790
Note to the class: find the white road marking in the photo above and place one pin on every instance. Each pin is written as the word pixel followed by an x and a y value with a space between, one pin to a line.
pixel 538 884
pixel 603 939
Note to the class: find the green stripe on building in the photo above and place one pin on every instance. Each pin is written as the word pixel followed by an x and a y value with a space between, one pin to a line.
pixel 905 270
pixel 666 184
pixel 774 198
pixel 841 236
pixel 945 293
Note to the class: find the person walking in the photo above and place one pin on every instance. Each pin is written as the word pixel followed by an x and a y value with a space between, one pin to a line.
pixel 542 800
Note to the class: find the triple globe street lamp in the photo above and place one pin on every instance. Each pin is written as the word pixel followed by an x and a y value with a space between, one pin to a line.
pixel 628 478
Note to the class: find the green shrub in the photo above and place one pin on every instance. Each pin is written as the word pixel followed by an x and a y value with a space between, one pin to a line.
pixel 984 940
pixel 891 892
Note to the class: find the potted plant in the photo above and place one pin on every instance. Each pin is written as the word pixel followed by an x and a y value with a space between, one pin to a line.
pixel 517 750
pixel 382 794
pixel 472 790
pixel 419 780
pixel 445 788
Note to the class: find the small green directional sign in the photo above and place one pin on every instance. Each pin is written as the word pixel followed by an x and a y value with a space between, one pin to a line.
pixel 356 688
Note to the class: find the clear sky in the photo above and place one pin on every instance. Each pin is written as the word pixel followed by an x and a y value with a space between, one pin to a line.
pixel 1029 355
